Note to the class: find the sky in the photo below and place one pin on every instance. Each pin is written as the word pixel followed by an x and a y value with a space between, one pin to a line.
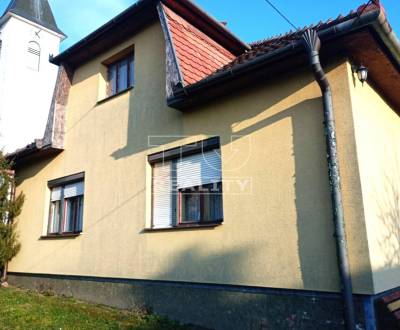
pixel 250 20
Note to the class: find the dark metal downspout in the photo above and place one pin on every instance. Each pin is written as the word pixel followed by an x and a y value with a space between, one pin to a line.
pixel 313 45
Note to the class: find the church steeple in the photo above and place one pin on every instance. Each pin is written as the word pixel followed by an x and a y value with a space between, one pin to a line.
pixel 37 11
pixel 29 35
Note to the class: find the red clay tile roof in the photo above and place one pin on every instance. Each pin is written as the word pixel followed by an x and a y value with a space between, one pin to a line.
pixel 198 55
pixel 268 45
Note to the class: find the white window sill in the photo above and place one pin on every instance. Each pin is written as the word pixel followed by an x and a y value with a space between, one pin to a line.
pixel 190 226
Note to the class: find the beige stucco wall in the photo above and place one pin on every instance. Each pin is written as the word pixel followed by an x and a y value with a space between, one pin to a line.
pixel 278 232
pixel 356 232
pixel 377 130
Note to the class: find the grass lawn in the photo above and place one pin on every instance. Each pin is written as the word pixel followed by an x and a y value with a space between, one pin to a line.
pixel 29 310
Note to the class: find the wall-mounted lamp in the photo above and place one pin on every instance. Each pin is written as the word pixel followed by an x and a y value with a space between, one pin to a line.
pixel 362 73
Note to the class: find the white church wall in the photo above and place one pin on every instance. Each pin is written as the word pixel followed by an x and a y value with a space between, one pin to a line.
pixel 25 92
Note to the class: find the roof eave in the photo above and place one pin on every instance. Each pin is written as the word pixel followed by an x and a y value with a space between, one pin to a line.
pixel 382 27
pixel 101 31
pixel 206 23
pixel 30 153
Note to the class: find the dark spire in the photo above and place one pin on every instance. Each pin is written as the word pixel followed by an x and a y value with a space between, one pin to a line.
pixel 37 11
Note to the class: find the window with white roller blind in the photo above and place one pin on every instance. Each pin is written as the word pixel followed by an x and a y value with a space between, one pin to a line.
pixel 66 205
pixel 162 195
pixel 187 187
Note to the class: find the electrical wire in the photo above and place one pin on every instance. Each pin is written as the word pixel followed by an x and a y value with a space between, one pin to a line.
pixel 281 14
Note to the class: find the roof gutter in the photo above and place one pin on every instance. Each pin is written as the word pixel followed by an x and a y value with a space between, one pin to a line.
pixel 312 44
pixel 376 19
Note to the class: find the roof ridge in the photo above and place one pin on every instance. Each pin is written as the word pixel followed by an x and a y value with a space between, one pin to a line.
pixel 201 35
pixel 371 5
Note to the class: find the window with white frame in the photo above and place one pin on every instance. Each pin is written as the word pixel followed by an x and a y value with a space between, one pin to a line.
pixel 66 205
pixel 33 56
pixel 187 186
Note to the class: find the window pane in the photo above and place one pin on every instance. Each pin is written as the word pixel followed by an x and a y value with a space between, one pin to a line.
pixel 70 214
pixel 79 220
pixel 112 80
pixel 213 203
pixel 191 206
pixel 131 71
pixel 54 225
pixel 201 203
pixel 122 75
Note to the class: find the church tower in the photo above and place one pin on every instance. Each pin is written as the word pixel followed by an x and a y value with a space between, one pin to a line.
pixel 28 36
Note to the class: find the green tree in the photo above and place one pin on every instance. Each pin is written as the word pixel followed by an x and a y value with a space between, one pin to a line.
pixel 10 207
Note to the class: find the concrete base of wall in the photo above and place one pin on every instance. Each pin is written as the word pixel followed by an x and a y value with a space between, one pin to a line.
pixel 209 306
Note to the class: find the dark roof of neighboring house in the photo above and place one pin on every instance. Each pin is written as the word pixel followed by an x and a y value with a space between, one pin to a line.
pixel 37 11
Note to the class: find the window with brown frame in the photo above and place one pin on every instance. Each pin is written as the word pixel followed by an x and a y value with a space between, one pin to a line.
pixel 200 204
pixel 121 75
pixel 66 208
pixel 187 186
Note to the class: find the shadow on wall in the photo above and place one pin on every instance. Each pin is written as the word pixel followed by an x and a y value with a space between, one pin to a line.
pixel 313 207
pixel 310 181
pixel 34 169
pixel 149 119
pixel 387 198
pixel 313 202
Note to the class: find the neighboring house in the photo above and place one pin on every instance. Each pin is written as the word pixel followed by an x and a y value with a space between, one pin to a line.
pixel 28 36
pixel 185 170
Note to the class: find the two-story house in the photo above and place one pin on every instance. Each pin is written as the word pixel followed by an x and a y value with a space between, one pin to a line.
pixel 186 171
